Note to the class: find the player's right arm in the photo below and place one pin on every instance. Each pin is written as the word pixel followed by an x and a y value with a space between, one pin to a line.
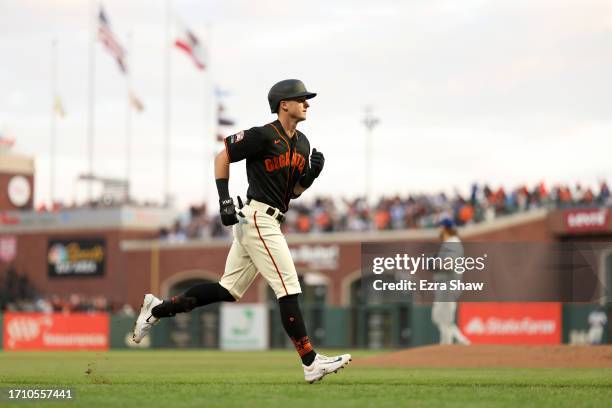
pixel 222 165
pixel 237 147
pixel 226 204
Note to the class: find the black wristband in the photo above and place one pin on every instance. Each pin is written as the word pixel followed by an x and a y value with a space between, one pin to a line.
pixel 223 188
pixel 307 180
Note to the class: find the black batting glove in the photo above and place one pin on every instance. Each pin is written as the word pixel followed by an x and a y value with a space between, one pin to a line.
pixel 316 163
pixel 228 212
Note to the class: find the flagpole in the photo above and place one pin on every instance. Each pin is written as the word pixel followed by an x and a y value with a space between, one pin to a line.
pixel 91 97
pixel 167 77
pixel 207 117
pixel 53 121
pixel 128 124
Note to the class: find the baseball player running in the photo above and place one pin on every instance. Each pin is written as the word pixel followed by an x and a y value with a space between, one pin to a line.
pixel 445 303
pixel 278 170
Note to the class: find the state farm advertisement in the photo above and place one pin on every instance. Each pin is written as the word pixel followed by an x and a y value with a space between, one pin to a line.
pixel 56 331
pixel 511 323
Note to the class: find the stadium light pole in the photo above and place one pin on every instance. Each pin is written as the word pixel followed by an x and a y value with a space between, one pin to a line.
pixel 53 122
pixel 370 122
pixel 167 108
pixel 208 117
pixel 128 127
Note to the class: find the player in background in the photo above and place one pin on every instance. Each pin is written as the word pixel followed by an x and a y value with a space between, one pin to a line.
pixel 597 322
pixel 278 170
pixel 445 302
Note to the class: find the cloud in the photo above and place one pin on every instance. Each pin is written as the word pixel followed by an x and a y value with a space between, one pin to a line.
pixel 478 82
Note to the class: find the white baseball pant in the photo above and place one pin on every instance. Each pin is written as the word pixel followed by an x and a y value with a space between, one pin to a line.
pixel 259 247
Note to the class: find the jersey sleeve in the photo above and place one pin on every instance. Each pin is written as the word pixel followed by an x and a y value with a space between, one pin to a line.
pixel 243 144
pixel 307 157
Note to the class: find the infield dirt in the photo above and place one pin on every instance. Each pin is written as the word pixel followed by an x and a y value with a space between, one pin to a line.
pixel 559 356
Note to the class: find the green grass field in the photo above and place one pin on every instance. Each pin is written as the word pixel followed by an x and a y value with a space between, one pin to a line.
pixel 274 379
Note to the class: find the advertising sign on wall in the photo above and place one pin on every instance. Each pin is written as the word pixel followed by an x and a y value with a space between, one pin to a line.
pixel 511 323
pixel 586 220
pixel 244 327
pixel 316 256
pixel 76 257
pixel 55 331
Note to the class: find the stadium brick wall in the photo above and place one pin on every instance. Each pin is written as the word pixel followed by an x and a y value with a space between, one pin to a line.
pixel 128 273
pixel 210 261
pixel 534 231
pixel 31 260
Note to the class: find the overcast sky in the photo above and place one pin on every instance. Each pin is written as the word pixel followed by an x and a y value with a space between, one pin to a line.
pixel 504 92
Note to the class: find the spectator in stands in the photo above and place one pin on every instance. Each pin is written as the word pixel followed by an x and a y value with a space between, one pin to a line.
pixel 73 303
pixel 395 213
pixel 604 193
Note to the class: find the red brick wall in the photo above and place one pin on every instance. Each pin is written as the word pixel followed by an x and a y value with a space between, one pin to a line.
pixel 534 231
pixel 128 272
pixel 31 260
pixel 212 260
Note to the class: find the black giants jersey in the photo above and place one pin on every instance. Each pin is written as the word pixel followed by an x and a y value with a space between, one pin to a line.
pixel 274 164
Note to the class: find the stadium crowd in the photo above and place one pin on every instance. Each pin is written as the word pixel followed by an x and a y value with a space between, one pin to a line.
pixel 17 294
pixel 325 214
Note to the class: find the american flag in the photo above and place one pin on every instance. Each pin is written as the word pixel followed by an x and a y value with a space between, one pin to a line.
pixel 105 35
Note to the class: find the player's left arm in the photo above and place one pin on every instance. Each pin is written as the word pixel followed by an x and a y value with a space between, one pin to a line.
pixel 317 161
pixel 298 190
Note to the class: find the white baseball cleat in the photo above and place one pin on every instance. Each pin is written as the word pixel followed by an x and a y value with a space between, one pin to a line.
pixel 322 365
pixel 145 320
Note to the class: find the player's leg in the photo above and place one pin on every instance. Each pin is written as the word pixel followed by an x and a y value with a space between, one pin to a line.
pixel 453 331
pixel 447 322
pixel 445 335
pixel 153 309
pixel 460 337
pixel 198 295
pixel 436 319
pixel 441 316
pixel 293 323
pixel 239 274
pixel 595 334
pixel 269 251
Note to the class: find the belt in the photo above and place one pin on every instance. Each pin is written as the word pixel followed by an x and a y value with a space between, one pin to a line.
pixel 271 211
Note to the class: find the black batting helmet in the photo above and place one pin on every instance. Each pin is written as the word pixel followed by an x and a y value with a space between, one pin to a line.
pixel 287 89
